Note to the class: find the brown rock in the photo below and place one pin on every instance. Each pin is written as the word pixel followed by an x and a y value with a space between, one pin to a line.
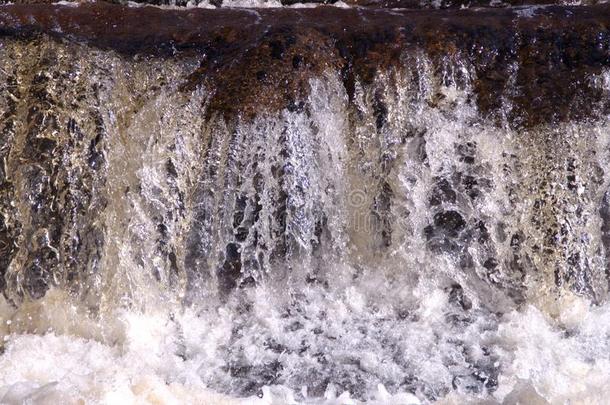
pixel 249 56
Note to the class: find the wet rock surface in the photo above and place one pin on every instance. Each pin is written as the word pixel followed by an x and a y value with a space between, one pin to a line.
pixel 257 63
pixel 408 4
pixel 519 54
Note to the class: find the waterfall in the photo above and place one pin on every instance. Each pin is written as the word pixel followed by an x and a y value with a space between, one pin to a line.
pixel 276 207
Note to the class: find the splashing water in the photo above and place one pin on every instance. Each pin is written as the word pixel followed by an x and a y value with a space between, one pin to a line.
pixel 395 247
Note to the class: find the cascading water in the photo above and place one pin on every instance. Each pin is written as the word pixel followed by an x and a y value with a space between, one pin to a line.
pixel 383 239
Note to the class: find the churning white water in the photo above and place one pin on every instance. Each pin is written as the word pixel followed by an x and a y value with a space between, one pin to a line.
pixel 540 360
pixel 396 248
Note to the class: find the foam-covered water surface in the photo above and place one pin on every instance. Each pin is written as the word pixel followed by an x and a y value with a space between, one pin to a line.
pixel 160 358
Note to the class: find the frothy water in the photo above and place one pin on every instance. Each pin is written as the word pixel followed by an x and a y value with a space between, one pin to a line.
pixel 395 247
pixel 158 359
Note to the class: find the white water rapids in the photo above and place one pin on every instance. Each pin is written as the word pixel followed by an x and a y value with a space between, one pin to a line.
pixel 392 249
pixel 540 363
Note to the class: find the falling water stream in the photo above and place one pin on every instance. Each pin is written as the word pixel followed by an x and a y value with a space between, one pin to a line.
pixel 395 245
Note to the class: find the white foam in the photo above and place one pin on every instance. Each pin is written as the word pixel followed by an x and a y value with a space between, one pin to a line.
pixel 538 361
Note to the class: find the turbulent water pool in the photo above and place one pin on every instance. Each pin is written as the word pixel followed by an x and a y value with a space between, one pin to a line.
pixel 304 206
pixel 522 356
